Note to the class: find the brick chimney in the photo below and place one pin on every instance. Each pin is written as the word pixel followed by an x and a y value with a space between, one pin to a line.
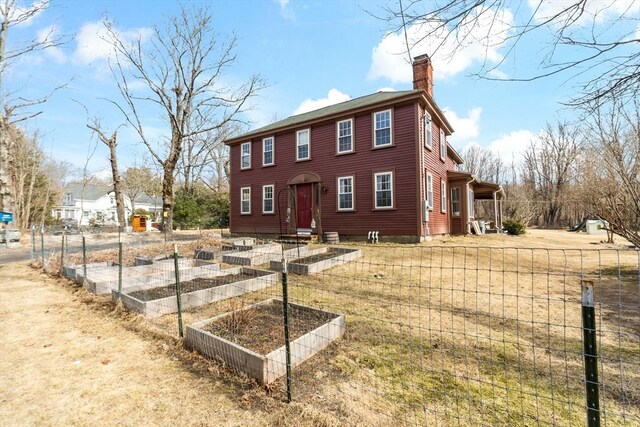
pixel 423 74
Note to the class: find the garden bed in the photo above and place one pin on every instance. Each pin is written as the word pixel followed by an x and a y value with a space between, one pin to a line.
pixel 265 253
pixel 104 280
pixel 318 260
pixel 251 340
pixel 216 286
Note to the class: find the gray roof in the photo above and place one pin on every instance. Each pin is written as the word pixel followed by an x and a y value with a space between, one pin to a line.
pixel 95 191
pixel 91 191
pixel 352 104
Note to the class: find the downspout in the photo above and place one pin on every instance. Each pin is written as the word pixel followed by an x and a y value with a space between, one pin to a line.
pixel 425 224
pixel 495 208
pixel 467 205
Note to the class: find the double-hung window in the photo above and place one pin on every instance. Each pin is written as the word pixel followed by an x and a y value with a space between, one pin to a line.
pixel 472 210
pixel 303 145
pixel 245 200
pixel 429 190
pixel 384 190
pixel 443 196
pixel 267 151
pixel 382 128
pixel 443 146
pixel 427 131
pixel 345 193
pixel 245 155
pixel 345 136
pixel 455 201
pixel 267 199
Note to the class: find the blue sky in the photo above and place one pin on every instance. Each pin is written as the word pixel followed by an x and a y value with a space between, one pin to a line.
pixel 311 53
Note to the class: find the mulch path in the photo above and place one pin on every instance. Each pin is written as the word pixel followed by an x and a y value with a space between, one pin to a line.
pixel 261 328
pixel 187 286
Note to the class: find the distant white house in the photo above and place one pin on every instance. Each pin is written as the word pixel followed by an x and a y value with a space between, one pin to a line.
pixel 97 204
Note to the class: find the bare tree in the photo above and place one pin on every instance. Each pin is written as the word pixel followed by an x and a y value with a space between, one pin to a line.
pixel 112 143
pixel 205 159
pixel 13 107
pixel 549 168
pixel 576 41
pixel 614 172
pixel 137 181
pixel 181 68
pixel 483 163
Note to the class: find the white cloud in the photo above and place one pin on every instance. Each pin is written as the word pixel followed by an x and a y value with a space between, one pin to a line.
pixel 92 41
pixel 598 11
pixel 466 129
pixel 45 36
pixel 512 146
pixel 476 39
pixel 285 10
pixel 386 89
pixel 333 97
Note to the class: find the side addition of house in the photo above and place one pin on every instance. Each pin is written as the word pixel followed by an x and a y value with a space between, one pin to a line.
pixel 380 162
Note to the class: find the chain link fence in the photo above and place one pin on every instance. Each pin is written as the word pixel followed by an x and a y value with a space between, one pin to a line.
pixel 386 334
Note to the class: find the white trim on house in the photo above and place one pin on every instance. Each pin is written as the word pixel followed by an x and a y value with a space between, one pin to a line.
pixel 272 152
pixel 300 145
pixel 346 189
pixel 265 199
pixel 342 135
pixel 384 125
pixel 245 155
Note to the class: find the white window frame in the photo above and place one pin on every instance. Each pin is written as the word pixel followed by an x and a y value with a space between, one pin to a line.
pixel 351 193
pixel 273 151
pixel 428 134
pixel 443 146
pixel 243 200
pixel 455 201
pixel 338 136
pixel 375 193
pixel 429 190
pixel 308 144
pixel 471 199
pixel 443 196
pixel 265 198
pixel 244 155
pixel 375 129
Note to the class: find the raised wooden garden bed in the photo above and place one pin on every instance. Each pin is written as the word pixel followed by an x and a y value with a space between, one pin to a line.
pixel 318 259
pixel 251 340
pixel 156 301
pixel 265 253
pixel 103 281
pixel 76 272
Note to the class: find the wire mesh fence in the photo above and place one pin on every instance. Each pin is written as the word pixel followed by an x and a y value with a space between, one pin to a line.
pixel 410 335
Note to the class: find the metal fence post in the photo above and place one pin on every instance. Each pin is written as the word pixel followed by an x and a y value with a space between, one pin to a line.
pixel 178 289
pixel 42 247
pixel 590 354
pixel 62 254
pixel 84 256
pixel 119 269
pixel 33 242
pixel 285 316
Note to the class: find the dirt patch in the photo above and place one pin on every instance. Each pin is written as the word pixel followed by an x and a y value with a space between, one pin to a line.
pixel 315 258
pixel 193 285
pixel 261 328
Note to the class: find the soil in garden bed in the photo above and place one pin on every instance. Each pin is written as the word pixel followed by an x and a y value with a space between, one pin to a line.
pixel 261 328
pixel 316 258
pixel 187 286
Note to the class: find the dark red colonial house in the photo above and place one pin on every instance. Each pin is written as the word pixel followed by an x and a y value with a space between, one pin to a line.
pixel 380 162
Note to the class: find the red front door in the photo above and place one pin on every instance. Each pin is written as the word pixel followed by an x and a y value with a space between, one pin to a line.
pixel 304 204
